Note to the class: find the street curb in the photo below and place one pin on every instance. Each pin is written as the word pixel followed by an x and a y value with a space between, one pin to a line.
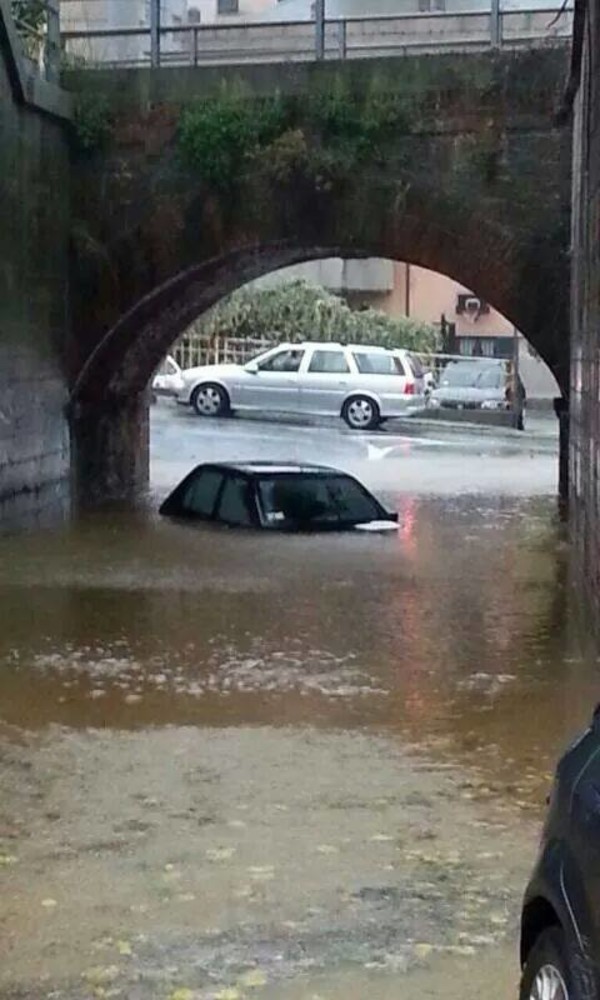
pixel 440 427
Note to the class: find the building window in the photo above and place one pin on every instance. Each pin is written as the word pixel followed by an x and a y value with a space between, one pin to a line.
pixel 471 305
pixel 228 6
pixel 478 347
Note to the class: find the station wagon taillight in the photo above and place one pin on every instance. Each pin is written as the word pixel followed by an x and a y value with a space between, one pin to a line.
pixel 409 389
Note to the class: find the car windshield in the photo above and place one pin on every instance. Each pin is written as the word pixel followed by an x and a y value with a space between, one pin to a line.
pixel 326 500
pixel 467 374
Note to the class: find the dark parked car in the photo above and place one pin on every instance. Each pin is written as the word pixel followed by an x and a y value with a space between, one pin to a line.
pixel 279 497
pixel 560 927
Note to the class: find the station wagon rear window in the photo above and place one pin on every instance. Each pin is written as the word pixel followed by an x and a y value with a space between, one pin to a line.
pixel 328 500
pixel 377 364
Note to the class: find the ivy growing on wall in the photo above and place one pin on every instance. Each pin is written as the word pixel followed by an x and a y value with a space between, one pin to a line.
pixel 322 135
pixel 218 136
pixel 92 121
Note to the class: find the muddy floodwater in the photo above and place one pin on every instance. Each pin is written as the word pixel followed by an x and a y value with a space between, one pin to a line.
pixel 246 766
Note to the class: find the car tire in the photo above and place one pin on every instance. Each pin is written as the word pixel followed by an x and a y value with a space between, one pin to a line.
pixel 361 413
pixel 210 400
pixel 551 971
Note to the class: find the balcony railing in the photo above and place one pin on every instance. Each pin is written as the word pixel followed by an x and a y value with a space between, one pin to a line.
pixel 237 42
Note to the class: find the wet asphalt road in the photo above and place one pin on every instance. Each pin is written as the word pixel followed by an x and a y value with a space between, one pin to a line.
pixel 241 766
pixel 411 456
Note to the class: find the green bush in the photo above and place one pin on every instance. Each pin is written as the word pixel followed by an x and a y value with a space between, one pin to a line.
pixel 217 137
pixel 324 136
pixel 298 311
pixel 92 121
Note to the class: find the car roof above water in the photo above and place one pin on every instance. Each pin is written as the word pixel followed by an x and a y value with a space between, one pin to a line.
pixel 261 468
pixel 336 345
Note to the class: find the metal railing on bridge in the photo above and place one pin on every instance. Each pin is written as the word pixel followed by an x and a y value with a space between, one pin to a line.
pixel 238 41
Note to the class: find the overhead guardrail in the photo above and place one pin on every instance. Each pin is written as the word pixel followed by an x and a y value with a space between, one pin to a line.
pixel 238 42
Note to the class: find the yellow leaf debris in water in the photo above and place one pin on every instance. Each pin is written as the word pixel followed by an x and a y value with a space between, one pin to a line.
pixel 253 978
pixel 182 994
pixel 460 949
pixel 229 993
pixel 422 950
pixel 262 872
pixel 244 892
pixel 220 853
pixel 381 838
pixel 49 903
pixel 124 948
pixel 99 974
pixel 8 859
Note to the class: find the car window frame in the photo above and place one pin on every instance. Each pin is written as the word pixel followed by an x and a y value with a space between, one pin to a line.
pixel 328 350
pixel 177 496
pixel 255 519
pixel 211 516
pixel 381 512
pixel 415 364
pixel 289 349
pixel 394 360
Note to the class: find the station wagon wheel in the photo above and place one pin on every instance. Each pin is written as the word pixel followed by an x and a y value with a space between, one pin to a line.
pixel 361 413
pixel 210 400
pixel 549 973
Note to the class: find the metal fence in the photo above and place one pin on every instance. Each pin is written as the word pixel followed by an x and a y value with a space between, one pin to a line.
pixel 238 41
pixel 200 349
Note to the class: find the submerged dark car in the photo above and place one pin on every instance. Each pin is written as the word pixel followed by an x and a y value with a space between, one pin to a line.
pixel 277 497
pixel 560 926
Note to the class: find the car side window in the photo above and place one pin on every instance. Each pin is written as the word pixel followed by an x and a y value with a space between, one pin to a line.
pixel 283 361
pixel 416 365
pixel 201 493
pixel 329 362
pixel 376 364
pixel 235 505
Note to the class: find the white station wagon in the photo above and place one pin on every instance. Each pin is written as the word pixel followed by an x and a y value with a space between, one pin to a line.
pixel 363 385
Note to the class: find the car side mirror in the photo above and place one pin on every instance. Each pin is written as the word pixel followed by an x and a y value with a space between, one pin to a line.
pixel 252 367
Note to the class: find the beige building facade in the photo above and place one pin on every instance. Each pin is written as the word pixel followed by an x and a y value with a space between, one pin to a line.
pixel 402 289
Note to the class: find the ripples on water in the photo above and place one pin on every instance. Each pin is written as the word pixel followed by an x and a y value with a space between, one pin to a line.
pixel 453 634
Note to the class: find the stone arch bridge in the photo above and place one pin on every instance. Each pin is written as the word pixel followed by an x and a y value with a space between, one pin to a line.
pixel 186 183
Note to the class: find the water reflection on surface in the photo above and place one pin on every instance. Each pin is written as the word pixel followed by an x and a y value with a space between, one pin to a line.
pixel 455 632
pixel 307 764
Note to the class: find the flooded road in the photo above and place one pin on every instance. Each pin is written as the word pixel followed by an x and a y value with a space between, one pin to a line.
pixel 241 766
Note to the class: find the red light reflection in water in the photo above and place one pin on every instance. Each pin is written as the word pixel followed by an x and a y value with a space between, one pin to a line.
pixel 407 520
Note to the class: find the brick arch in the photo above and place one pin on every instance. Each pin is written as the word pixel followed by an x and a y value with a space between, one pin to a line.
pixel 125 357
pixel 473 182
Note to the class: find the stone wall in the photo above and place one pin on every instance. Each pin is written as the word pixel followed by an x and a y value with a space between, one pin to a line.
pixel 34 437
pixel 585 325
